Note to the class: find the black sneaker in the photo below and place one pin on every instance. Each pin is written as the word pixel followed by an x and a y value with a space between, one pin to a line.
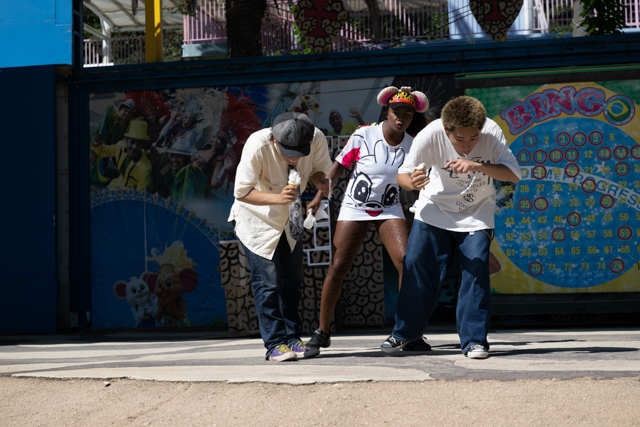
pixel 302 350
pixel 318 339
pixel 392 345
pixel 477 351
pixel 417 345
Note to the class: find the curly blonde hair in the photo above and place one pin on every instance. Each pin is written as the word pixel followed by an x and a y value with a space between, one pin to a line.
pixel 463 112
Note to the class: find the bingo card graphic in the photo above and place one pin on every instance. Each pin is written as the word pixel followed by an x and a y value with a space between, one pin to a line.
pixel 572 224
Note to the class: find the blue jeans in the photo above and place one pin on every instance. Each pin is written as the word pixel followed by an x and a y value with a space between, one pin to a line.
pixel 276 291
pixel 425 267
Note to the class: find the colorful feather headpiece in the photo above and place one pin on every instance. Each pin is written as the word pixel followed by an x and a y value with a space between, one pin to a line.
pixel 239 117
pixel 214 103
pixel 149 100
pixel 189 100
pixel 392 95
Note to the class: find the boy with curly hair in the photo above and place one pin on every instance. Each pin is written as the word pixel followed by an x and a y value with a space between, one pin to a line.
pixel 458 156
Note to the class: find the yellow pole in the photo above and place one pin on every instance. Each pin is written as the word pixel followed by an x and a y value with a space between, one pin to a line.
pixel 153 30
pixel 157 23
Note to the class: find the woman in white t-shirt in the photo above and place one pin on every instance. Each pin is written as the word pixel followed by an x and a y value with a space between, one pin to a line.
pixel 372 195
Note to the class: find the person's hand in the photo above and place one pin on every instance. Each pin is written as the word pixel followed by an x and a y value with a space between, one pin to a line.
pixel 174 113
pixel 197 160
pixel 314 205
pixel 154 156
pixel 354 113
pixel 230 162
pixel 419 179
pixel 462 166
pixel 324 187
pixel 288 195
pixel 97 140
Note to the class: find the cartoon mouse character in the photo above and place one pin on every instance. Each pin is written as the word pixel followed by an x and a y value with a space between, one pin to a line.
pixel 143 302
pixel 175 277
pixel 366 186
pixel 169 286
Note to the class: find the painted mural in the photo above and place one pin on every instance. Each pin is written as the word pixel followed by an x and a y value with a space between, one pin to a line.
pixel 572 224
pixel 162 169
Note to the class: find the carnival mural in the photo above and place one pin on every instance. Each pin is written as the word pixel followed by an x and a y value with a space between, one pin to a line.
pixel 162 169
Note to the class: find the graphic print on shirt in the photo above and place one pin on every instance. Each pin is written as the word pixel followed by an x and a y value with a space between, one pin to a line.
pixel 469 184
pixel 373 172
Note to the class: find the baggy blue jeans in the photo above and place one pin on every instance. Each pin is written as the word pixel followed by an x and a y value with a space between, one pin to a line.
pixel 425 267
pixel 276 291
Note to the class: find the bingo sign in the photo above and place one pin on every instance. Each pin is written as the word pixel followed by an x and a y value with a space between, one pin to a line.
pixel 573 221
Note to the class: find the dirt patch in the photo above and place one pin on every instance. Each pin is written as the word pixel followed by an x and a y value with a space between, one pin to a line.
pixel 121 402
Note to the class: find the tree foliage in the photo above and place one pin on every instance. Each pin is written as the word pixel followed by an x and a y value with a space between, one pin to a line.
pixel 92 20
pixel 602 17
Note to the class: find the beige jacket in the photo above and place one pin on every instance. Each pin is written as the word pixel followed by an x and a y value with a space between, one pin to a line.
pixel 262 168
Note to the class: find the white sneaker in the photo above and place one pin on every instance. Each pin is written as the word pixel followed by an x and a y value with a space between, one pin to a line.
pixel 477 351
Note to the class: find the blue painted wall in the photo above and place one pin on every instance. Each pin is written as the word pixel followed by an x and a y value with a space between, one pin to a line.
pixel 35 32
pixel 27 218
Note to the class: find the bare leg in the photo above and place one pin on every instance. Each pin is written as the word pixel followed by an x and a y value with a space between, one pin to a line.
pixel 347 239
pixel 394 235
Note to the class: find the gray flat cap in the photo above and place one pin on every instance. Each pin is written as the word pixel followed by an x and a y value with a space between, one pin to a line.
pixel 293 132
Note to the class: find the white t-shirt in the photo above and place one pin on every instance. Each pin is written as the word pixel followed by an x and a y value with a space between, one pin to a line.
pixel 454 202
pixel 372 192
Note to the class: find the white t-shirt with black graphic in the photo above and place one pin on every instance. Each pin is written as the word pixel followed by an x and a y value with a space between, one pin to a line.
pixel 458 202
pixel 373 192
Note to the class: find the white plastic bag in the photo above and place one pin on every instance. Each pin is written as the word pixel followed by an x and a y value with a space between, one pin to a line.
pixel 310 221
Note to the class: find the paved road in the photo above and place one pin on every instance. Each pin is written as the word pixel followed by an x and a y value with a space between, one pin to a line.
pixel 353 356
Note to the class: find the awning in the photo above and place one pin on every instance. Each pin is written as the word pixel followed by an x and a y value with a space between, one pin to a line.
pixel 118 14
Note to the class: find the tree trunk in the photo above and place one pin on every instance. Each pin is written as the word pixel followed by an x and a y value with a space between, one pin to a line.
pixel 244 27
pixel 376 21
pixel 578 30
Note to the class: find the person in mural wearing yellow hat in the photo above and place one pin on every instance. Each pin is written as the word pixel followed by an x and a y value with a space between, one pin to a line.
pixel 180 179
pixel 113 125
pixel 129 156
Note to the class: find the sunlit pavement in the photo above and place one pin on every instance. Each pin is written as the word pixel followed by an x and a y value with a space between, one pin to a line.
pixel 353 356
